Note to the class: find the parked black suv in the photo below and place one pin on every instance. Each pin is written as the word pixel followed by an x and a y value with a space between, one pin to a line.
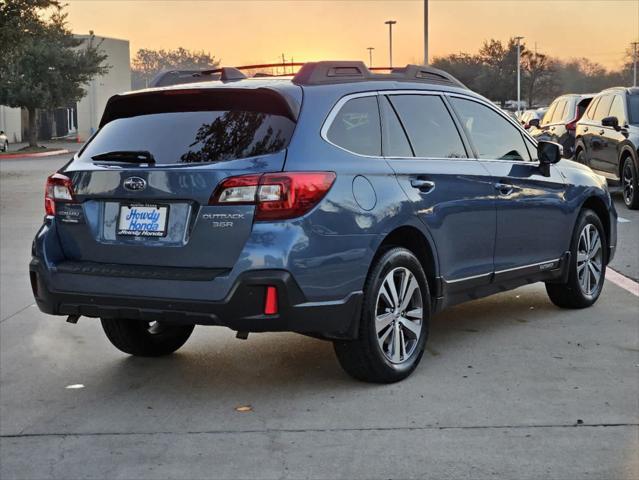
pixel 607 139
pixel 560 121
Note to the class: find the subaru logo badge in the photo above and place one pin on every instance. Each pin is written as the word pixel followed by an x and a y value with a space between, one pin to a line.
pixel 135 184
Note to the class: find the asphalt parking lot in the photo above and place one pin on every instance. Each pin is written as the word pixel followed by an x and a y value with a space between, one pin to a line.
pixel 510 387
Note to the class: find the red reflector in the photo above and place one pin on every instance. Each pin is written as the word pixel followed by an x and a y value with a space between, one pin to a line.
pixel 270 305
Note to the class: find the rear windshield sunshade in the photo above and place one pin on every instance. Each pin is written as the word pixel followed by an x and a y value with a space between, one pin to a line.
pixel 194 126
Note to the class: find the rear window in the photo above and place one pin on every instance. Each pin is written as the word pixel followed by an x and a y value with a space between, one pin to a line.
pixel 206 131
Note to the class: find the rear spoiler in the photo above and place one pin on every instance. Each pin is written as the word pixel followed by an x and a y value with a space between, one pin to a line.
pixel 147 102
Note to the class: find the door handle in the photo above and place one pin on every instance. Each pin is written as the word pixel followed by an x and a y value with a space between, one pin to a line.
pixel 601 132
pixel 422 185
pixel 585 129
pixel 504 188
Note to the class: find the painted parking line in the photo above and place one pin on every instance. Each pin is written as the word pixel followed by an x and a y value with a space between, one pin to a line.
pixel 622 220
pixel 622 281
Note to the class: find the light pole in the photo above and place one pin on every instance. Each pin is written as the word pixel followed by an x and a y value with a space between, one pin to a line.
pixel 370 55
pixel 425 32
pixel 634 61
pixel 390 24
pixel 519 39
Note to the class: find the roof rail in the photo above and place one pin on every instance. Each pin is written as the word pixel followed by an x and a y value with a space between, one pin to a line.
pixel 326 72
pixel 314 73
pixel 427 74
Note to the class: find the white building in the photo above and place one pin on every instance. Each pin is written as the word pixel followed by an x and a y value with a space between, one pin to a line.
pixel 11 123
pixel 80 120
pixel 101 88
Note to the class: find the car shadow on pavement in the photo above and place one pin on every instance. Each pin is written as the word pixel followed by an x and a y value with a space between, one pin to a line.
pixel 214 359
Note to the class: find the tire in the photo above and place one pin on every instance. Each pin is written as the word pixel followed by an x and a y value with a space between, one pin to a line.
pixel 145 339
pixel 580 156
pixel 5 147
pixel 586 258
pixel 630 184
pixel 402 331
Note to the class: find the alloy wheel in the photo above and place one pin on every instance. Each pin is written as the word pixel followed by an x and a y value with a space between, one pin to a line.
pixel 399 315
pixel 628 183
pixel 589 260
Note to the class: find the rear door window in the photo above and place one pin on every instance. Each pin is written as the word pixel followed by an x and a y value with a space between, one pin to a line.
pixel 431 130
pixel 493 136
pixel 395 143
pixel 356 127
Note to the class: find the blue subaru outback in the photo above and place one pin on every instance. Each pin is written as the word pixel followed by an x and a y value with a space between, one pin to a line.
pixel 338 203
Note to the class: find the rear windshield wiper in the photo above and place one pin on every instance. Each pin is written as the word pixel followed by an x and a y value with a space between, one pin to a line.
pixel 125 156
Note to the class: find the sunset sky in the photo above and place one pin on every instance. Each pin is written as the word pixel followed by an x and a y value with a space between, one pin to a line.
pixel 243 32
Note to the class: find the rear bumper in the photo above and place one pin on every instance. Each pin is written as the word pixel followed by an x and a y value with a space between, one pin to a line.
pixel 241 310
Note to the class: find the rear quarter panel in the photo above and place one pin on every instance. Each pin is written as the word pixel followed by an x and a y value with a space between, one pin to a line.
pixel 343 234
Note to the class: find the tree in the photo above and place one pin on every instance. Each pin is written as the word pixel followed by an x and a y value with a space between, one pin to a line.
pixel 499 76
pixel 49 67
pixel 539 80
pixel 148 63
pixel 463 66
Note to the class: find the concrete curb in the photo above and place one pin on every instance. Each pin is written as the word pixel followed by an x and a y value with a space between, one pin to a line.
pixel 36 154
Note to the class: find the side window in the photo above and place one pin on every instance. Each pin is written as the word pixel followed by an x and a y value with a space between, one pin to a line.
pixel 431 130
pixel 603 107
pixel 532 150
pixel 570 110
pixel 581 107
pixel 617 110
pixel 549 113
pixel 590 113
pixel 356 127
pixel 560 111
pixel 394 141
pixel 493 136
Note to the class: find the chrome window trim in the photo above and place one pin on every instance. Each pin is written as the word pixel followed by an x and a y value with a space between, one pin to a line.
pixel 340 103
pixel 376 93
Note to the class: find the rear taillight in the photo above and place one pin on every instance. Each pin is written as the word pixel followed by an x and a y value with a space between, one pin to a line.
pixel 276 196
pixel 59 188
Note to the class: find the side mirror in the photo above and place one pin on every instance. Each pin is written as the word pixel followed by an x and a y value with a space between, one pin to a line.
pixel 549 152
pixel 610 122
pixel 534 122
